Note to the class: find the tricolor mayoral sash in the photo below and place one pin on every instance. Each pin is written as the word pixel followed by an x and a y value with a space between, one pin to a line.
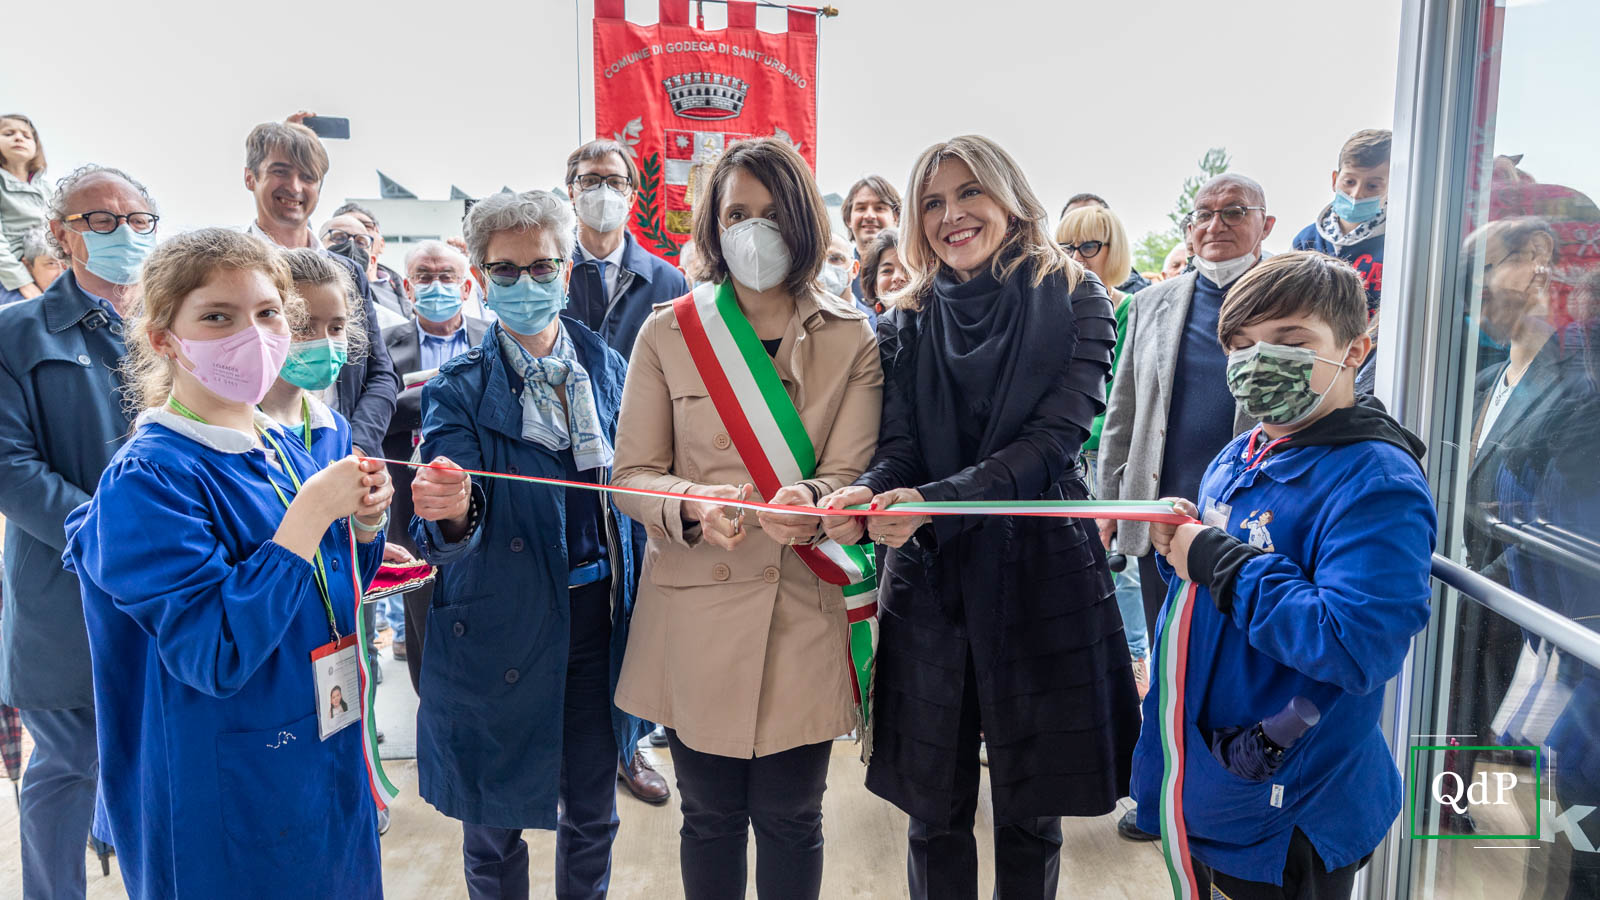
pixel 772 443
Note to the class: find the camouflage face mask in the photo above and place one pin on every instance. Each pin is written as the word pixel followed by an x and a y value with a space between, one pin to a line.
pixel 1273 382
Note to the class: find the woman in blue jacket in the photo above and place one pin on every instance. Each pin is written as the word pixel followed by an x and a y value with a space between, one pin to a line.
pixel 214 563
pixel 530 616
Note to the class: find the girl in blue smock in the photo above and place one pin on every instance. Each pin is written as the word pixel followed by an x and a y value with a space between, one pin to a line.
pixel 328 337
pixel 214 559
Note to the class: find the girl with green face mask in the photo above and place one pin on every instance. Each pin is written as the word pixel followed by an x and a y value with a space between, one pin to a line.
pixel 321 348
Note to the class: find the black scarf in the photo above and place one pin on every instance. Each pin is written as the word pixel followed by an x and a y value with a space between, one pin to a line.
pixel 987 352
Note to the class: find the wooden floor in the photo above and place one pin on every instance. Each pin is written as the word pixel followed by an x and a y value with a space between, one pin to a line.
pixel 865 849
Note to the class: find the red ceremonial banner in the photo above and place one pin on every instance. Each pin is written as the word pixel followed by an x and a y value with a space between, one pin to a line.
pixel 676 96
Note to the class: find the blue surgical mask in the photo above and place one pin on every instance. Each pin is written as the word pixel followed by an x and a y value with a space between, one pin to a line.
pixel 1351 210
pixel 118 256
pixel 438 302
pixel 527 307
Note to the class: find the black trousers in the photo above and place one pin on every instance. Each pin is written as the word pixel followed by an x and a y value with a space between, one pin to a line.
pixel 1304 878
pixel 942 863
pixel 723 797
pixel 416 605
pixel 1152 586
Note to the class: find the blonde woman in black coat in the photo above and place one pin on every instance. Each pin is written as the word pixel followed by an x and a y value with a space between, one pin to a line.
pixel 995 367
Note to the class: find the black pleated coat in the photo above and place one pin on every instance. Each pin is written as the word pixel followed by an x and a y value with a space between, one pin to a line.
pixel 1030 599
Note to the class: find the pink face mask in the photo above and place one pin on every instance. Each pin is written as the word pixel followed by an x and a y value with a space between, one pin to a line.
pixel 240 367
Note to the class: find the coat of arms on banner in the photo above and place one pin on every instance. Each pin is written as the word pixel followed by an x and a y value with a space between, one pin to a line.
pixel 677 97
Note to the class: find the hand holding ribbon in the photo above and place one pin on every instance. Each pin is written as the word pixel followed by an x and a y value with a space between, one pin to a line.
pixel 374 504
pixel 442 493
pixel 1162 532
pixel 894 531
pixel 788 528
pixel 846 529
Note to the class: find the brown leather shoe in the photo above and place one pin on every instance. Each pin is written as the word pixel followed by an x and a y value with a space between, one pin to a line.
pixel 643 781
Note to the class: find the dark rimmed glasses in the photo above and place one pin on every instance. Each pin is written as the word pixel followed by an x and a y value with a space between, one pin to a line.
pixel 104 221
pixel 543 271
pixel 336 236
pixel 1231 215
pixel 618 183
pixel 1085 250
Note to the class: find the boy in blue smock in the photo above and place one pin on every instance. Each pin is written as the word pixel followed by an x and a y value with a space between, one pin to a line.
pixel 216 574
pixel 1312 567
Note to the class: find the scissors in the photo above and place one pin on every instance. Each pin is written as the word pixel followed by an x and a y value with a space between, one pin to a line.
pixel 738 520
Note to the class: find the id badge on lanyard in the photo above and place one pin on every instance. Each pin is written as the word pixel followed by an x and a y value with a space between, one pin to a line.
pixel 337 677
pixel 335 672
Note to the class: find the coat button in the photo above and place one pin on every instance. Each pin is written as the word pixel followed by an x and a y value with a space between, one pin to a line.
pixel 512 470
pixel 474 353
pixel 721 441
pixel 720 572
pixel 460 628
pixel 516 545
pixel 511 676
pixel 770 574
pixel 116 328
pixel 83 359
pixel 656 531
pixel 334 564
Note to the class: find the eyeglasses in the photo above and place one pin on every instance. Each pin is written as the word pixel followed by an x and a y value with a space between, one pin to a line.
pixel 431 277
pixel 103 221
pixel 543 271
pixel 335 236
pixel 1231 215
pixel 618 183
pixel 1085 250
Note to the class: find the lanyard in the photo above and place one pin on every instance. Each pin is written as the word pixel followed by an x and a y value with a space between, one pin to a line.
pixel 1250 455
pixel 319 570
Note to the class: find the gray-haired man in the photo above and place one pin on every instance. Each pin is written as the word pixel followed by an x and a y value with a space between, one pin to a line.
pixel 65 344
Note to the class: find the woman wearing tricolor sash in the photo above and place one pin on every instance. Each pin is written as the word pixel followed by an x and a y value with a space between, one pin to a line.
pixel 995 363
pixel 758 384
pixel 215 562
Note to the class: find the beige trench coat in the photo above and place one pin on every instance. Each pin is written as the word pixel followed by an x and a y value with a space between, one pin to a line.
pixel 742 652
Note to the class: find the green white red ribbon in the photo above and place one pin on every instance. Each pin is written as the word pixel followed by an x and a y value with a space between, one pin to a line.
pixel 383 790
pixel 776 450
pixel 1173 639
pixel 1174 644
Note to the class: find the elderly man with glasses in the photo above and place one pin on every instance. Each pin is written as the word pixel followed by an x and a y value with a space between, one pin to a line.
pixel 436 274
pixel 61 420
pixel 1170 411
pixel 615 282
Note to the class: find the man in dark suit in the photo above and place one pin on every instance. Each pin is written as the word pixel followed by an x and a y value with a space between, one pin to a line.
pixel 435 276
pixel 615 282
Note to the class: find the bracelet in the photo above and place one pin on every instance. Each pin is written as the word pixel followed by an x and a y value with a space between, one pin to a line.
pixel 364 528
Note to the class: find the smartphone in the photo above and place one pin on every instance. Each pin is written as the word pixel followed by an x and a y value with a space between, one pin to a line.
pixel 328 126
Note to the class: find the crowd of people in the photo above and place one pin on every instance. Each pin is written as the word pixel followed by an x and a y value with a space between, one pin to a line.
pixel 191 429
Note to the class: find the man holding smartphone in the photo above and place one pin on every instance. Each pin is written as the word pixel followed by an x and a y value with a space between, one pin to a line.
pixel 285 165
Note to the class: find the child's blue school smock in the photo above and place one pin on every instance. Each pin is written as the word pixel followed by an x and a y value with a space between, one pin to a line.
pixel 201 630
pixel 1326 613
